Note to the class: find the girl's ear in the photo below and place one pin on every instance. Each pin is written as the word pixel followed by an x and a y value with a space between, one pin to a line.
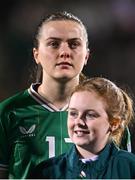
pixel 35 55
pixel 115 124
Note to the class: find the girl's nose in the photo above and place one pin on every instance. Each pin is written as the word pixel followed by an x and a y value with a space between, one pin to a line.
pixel 80 121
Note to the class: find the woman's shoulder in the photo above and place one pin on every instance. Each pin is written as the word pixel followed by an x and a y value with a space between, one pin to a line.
pixel 18 100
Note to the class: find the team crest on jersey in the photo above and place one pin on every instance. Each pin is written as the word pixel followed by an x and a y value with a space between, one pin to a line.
pixel 27 132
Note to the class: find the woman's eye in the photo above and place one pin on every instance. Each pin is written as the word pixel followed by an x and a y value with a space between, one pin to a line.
pixel 74 44
pixel 54 44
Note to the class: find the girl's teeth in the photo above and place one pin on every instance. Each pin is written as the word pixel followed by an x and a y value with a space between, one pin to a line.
pixel 79 133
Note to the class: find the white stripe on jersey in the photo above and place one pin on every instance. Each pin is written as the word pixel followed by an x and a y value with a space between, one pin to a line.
pixel 42 100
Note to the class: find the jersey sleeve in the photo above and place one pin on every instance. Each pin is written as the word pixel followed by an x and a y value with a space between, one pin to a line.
pixel 3 142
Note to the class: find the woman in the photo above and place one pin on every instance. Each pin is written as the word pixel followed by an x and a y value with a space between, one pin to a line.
pixel 33 122
pixel 99 111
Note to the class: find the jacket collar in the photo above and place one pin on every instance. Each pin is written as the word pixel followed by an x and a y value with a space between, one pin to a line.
pixel 76 166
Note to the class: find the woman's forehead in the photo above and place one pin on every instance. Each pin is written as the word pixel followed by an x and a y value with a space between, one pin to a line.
pixel 62 28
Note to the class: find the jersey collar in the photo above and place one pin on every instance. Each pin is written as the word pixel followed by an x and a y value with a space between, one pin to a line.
pixel 35 95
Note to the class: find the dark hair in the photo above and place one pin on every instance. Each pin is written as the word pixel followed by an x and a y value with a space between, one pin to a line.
pixel 58 16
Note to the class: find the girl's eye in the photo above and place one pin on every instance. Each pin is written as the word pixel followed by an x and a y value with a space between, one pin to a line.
pixel 91 115
pixel 73 114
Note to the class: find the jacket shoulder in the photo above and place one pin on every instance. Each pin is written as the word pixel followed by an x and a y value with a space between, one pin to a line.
pixel 51 168
pixel 125 155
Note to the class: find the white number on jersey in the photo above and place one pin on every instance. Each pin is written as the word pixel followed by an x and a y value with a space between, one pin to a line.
pixel 51 144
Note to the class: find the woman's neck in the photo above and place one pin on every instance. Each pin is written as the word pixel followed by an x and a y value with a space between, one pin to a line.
pixel 57 93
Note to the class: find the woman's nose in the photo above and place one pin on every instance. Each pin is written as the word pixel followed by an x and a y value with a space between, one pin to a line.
pixel 64 51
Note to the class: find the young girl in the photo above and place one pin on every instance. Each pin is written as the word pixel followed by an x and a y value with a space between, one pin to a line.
pixel 99 111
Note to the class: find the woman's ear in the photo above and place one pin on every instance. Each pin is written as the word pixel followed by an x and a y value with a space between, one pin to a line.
pixel 35 55
pixel 87 56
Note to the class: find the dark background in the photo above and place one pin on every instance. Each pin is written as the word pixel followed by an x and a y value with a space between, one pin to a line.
pixel 111 29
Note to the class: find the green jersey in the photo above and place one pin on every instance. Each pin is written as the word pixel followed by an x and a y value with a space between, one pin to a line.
pixel 31 131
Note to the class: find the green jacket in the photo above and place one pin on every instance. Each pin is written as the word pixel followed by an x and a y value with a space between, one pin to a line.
pixel 112 163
